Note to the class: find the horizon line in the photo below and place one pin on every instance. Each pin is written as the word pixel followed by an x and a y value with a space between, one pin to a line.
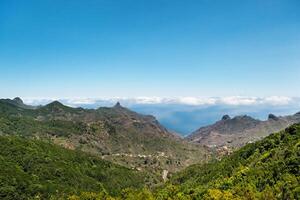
pixel 192 101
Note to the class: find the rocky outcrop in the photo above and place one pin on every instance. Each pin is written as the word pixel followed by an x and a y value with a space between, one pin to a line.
pixel 273 117
pixel 226 117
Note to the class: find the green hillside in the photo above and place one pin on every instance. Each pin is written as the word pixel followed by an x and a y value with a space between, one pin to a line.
pixel 268 169
pixel 32 168
pixel 116 134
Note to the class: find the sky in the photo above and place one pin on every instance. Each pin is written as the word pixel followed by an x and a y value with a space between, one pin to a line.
pixel 142 48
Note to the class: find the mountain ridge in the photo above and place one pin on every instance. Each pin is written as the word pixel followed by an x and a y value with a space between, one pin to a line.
pixel 114 133
pixel 266 169
pixel 148 152
pixel 240 130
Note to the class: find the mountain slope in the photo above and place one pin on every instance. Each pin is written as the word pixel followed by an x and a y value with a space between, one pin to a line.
pixel 17 102
pixel 117 134
pixel 267 169
pixel 32 168
pixel 240 130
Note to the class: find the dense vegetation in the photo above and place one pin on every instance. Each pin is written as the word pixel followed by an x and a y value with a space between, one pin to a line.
pixel 32 168
pixel 268 169
pixel 27 126
pixel 116 133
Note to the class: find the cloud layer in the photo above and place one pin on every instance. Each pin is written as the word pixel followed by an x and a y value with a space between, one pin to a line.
pixel 186 114
pixel 192 101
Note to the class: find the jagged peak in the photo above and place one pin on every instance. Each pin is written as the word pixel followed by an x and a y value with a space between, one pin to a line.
pixel 118 105
pixel 272 116
pixel 226 117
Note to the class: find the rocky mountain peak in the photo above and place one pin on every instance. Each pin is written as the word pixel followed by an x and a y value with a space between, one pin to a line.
pixel 226 117
pixel 273 117
pixel 117 105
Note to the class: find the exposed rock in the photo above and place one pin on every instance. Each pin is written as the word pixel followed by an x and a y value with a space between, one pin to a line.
pixel 240 130
pixel 273 117
pixel 165 175
pixel 226 117
pixel 117 105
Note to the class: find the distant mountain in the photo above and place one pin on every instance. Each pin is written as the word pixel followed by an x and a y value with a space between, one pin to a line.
pixel 240 130
pixel 184 119
pixel 115 133
pixel 17 102
pixel 33 167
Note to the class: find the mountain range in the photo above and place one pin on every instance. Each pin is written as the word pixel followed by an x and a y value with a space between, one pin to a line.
pixel 35 169
pixel 240 130
pixel 115 133
pixel 185 119
pixel 185 115
pixel 132 139
pixel 60 152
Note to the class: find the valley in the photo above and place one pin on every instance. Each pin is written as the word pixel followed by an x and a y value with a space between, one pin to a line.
pixel 60 142
pixel 149 100
pixel 115 134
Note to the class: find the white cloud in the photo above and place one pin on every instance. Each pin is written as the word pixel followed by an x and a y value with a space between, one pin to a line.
pixel 238 100
pixel 38 101
pixel 278 100
pixel 148 100
pixel 80 101
pixel 192 101
pixel 196 101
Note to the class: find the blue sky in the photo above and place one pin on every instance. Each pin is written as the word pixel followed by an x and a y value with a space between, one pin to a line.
pixel 163 48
